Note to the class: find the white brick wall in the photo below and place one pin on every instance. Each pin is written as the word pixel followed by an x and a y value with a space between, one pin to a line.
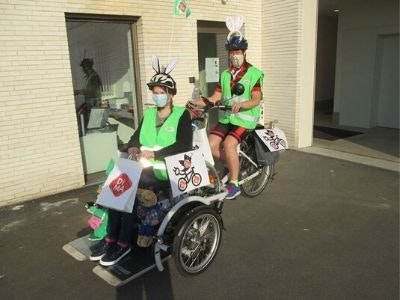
pixel 288 43
pixel 39 145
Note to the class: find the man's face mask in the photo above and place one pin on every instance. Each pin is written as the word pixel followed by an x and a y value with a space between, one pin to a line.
pixel 237 60
pixel 160 100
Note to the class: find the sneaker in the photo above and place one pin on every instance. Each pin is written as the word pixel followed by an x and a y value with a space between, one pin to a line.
pixel 114 255
pixel 233 191
pixel 99 250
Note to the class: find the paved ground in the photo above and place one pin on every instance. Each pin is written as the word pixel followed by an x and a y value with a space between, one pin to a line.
pixel 323 229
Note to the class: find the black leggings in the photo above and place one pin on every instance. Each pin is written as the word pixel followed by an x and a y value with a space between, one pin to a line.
pixel 120 224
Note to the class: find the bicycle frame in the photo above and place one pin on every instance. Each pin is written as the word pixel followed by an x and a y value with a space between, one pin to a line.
pixel 204 120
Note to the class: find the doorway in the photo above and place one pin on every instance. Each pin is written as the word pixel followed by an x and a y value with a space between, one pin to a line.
pixel 104 76
pixel 325 69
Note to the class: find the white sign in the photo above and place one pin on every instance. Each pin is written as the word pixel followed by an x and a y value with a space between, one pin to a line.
pixel 212 69
pixel 187 171
pixel 273 138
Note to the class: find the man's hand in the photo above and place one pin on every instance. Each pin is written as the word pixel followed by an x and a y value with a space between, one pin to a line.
pixel 197 103
pixel 236 107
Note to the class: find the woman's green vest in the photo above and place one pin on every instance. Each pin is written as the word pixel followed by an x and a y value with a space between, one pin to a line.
pixel 247 118
pixel 166 135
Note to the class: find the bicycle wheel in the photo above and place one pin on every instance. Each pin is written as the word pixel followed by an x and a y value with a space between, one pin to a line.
pixel 197 241
pixel 257 184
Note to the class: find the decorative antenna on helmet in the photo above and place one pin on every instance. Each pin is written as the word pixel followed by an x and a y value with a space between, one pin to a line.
pixel 162 77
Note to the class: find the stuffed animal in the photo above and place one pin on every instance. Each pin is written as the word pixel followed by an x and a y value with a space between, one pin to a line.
pixel 150 214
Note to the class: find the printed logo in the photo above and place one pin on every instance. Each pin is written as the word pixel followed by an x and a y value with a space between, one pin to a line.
pixel 120 184
pixel 170 129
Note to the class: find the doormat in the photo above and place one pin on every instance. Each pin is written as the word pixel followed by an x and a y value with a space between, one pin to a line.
pixel 331 134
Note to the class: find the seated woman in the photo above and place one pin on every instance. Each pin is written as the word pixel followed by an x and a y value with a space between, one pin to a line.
pixel 164 130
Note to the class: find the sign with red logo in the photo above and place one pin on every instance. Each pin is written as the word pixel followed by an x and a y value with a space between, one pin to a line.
pixel 120 184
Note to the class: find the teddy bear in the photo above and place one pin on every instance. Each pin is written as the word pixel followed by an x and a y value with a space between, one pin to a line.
pixel 150 214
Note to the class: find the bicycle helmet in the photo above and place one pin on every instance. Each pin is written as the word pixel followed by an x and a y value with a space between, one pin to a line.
pixel 163 80
pixel 236 43
pixel 162 77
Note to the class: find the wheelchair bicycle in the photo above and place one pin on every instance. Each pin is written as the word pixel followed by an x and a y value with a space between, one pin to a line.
pixel 191 231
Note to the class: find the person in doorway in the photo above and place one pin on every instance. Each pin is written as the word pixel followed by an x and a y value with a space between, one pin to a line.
pixel 91 89
pixel 164 130
pixel 240 90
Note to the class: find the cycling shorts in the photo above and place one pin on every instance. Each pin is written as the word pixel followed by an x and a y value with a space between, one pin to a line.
pixel 222 130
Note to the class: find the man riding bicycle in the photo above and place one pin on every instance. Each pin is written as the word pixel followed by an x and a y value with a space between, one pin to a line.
pixel 240 90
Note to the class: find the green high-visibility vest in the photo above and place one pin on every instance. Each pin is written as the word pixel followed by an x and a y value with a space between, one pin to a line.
pixel 247 118
pixel 95 98
pixel 166 135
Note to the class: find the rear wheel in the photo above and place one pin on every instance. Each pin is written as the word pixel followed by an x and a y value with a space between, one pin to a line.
pixel 257 184
pixel 197 240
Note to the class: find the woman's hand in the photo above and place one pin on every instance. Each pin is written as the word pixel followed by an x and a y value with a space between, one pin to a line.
pixel 134 152
pixel 146 154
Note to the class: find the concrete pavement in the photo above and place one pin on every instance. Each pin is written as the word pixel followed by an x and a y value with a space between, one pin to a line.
pixel 323 229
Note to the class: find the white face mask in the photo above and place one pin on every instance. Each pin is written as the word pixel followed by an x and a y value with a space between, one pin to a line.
pixel 160 100
pixel 237 60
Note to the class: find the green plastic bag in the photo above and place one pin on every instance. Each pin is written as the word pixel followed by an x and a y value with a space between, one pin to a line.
pixel 98 222
pixel 99 219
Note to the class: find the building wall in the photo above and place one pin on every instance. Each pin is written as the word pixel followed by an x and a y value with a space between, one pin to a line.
pixel 289 49
pixel 359 37
pixel 39 144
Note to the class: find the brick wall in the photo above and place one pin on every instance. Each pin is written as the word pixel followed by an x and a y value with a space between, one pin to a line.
pixel 39 144
pixel 288 58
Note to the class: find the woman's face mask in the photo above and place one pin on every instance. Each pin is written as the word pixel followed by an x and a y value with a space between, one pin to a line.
pixel 237 60
pixel 160 100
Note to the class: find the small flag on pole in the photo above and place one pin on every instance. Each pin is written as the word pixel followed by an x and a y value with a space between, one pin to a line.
pixel 181 8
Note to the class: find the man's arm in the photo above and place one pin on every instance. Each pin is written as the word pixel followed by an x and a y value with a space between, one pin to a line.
pixel 214 98
pixel 254 101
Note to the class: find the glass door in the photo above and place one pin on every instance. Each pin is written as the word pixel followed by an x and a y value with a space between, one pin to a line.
pixel 105 93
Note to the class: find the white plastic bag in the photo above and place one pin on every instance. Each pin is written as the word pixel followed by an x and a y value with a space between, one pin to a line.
pixel 200 141
pixel 119 190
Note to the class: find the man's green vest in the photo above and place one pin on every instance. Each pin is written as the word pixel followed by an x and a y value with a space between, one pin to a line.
pixel 166 136
pixel 247 118
pixel 95 98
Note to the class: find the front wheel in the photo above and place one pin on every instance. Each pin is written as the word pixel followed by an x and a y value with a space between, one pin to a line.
pixel 197 241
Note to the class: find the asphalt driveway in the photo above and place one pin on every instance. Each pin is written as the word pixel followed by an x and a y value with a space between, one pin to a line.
pixel 323 229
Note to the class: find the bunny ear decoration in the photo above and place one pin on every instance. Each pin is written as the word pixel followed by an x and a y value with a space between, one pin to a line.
pixel 155 63
pixel 234 24
pixel 238 23
pixel 230 23
pixel 171 66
